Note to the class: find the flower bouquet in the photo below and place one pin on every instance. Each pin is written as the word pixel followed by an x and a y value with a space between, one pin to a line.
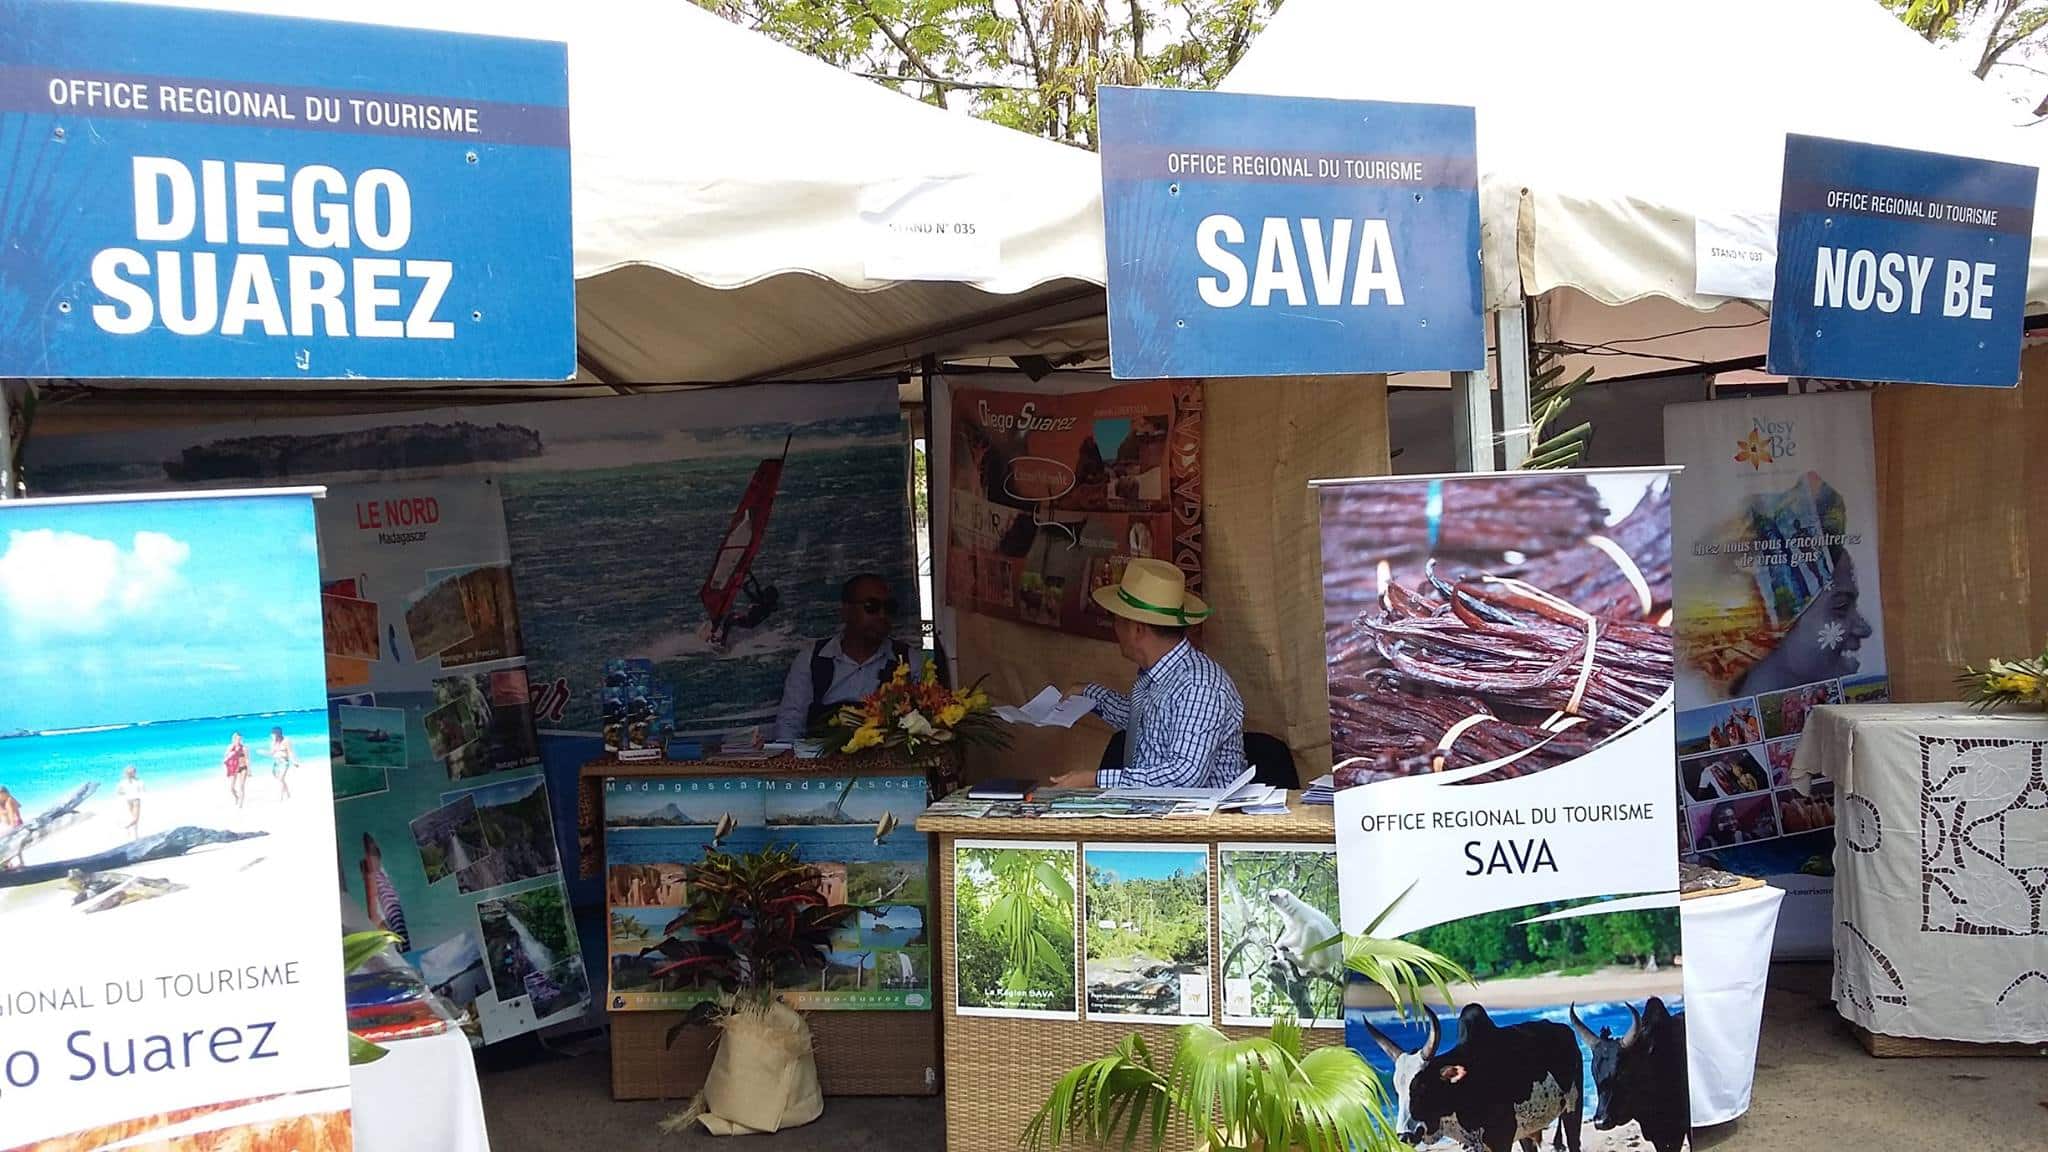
pixel 2020 683
pixel 916 716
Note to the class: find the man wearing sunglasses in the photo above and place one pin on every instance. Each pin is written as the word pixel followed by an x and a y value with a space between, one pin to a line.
pixel 846 666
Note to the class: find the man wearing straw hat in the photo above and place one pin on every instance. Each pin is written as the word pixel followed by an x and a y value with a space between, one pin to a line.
pixel 1183 718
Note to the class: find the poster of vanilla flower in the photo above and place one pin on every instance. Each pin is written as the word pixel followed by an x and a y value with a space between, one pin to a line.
pixel 165 820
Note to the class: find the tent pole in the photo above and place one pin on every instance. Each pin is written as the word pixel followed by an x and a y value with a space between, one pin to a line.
pixel 1472 422
pixel 1511 344
pixel 6 440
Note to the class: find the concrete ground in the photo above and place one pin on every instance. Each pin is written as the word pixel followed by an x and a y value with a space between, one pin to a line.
pixel 1816 1091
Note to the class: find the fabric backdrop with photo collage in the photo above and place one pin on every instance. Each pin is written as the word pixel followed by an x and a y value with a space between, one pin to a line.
pixel 1052 492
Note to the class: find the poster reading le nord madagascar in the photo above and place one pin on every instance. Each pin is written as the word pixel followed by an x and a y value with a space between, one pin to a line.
pixel 1501 703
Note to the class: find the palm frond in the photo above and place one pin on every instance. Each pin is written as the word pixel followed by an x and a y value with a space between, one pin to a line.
pixel 1403 970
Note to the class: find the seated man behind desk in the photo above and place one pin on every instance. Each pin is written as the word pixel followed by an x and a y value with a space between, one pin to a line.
pixel 846 666
pixel 1183 718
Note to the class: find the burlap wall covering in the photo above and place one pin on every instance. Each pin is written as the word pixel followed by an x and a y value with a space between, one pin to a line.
pixel 1264 441
pixel 1962 474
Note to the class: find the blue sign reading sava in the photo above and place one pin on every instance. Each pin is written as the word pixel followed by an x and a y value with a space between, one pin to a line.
pixel 193 194
pixel 1281 236
pixel 1898 265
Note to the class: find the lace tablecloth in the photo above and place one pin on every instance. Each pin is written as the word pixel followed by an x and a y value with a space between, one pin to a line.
pixel 1941 867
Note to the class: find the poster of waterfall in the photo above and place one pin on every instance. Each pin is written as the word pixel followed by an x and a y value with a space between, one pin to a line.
pixel 442 812
pixel 1779 613
pixel 164 826
pixel 1501 705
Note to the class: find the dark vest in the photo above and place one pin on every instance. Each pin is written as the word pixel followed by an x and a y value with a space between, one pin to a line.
pixel 821 680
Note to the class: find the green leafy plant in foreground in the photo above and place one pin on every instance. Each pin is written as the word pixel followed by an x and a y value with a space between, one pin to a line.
pixel 1260 1094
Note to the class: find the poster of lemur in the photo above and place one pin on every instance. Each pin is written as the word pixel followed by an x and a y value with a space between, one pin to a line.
pixel 1502 711
pixel 1776 569
pixel 1054 491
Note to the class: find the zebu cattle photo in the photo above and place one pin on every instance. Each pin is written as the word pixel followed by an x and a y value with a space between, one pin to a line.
pixel 1641 1077
pixel 1499 1089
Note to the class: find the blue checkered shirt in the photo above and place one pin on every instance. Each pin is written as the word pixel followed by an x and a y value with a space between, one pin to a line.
pixel 1184 722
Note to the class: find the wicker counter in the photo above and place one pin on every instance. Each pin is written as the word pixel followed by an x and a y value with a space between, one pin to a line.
pixel 998 1070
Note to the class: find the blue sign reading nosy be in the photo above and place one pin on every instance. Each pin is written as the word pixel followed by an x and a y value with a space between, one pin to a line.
pixel 1283 236
pixel 1900 266
pixel 195 194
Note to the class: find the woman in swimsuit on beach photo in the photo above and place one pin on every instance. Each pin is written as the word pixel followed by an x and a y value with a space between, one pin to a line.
pixel 282 761
pixel 237 764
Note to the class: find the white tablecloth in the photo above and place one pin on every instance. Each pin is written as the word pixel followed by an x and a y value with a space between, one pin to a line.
pixel 1727 960
pixel 1941 868
pixel 422 1097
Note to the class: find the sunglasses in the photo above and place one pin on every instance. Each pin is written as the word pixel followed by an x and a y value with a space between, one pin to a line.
pixel 874 606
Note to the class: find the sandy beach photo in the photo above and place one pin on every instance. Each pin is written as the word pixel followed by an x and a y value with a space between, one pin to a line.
pixel 166 816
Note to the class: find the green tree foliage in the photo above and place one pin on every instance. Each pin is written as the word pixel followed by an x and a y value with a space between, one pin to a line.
pixel 1164 919
pixel 2012 30
pixel 1497 945
pixel 1030 64
pixel 1014 909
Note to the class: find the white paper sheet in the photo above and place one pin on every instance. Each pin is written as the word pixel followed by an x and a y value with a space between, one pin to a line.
pixel 1048 709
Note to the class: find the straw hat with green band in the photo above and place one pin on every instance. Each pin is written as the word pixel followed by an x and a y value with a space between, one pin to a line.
pixel 1154 592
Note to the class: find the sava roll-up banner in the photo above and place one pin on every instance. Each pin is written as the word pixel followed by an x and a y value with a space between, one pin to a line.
pixel 172 975
pixel 441 806
pixel 1775 521
pixel 1501 709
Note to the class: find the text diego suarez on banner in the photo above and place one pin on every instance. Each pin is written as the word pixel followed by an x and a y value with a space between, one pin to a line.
pixel 1283 236
pixel 209 195
pixel 1899 265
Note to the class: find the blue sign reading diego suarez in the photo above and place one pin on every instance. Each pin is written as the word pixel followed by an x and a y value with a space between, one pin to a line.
pixel 1284 236
pixel 1899 265
pixel 195 194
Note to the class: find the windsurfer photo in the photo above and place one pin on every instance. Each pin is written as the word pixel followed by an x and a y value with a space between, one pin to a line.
pixel 732 567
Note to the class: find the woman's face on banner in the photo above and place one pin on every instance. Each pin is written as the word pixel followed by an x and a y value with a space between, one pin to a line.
pixel 1823 643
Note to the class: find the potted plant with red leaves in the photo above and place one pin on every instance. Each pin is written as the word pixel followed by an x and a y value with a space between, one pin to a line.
pixel 755 920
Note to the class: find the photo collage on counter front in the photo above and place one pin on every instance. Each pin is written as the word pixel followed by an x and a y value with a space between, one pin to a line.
pixel 1155 946
pixel 855 832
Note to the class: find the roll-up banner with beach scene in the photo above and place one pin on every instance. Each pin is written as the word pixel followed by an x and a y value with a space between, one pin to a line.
pixel 1778 614
pixel 173 971
pixel 1502 709
pixel 1013 928
pixel 856 833
pixel 1145 923
pixel 442 810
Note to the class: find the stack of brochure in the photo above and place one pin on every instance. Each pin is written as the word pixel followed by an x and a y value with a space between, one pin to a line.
pixel 1321 790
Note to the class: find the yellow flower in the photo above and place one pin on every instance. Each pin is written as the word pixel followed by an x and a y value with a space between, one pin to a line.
pixel 2015 683
pixel 931 671
pixel 864 738
pixel 902 675
pixel 952 714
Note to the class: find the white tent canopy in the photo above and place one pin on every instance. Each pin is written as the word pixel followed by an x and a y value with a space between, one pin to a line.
pixel 1607 127
pixel 728 193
